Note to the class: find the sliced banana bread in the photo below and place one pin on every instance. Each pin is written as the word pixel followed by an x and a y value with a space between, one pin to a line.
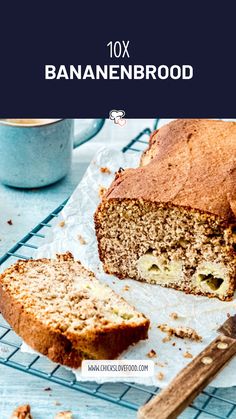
pixel 62 311
pixel 172 221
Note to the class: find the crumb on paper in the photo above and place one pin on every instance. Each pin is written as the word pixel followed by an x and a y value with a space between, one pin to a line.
pixel 173 344
pixel 22 412
pixel 126 288
pixel 180 332
pixel 152 354
pixel 47 389
pixel 101 191
pixel 105 170
pixel 166 339
pixel 187 355
pixel 4 350
pixel 81 239
pixel 64 415
pixel 57 403
pixel 10 222
pixel 62 224
pixel 160 376
pixel 174 316
pixel 160 364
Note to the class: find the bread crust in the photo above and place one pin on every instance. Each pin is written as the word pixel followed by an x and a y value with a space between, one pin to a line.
pixel 42 339
pixel 189 163
pixel 66 348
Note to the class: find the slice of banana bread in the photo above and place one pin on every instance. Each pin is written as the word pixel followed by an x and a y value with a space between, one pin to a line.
pixel 62 311
pixel 172 221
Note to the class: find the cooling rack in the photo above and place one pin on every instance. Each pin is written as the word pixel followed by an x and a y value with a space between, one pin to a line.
pixel 212 402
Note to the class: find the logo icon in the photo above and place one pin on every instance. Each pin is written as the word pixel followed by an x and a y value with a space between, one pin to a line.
pixel 117 117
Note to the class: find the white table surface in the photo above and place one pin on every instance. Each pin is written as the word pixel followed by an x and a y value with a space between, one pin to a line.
pixel 26 209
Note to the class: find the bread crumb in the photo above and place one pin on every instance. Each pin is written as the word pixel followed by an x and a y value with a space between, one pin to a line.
pixel 10 222
pixel 173 344
pixel 159 364
pixel 166 339
pixel 160 375
pixel 57 403
pixel 174 316
pixel 126 288
pixel 22 412
pixel 62 224
pixel 105 170
pixel 187 355
pixel 152 354
pixel 101 191
pixel 81 239
pixel 64 415
pixel 47 389
pixel 180 332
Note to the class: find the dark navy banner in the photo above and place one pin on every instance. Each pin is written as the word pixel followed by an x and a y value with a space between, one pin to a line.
pixel 76 59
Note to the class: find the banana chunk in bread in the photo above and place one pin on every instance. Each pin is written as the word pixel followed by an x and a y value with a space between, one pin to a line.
pixel 62 311
pixel 172 221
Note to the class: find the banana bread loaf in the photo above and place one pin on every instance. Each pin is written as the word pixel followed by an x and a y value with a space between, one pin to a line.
pixel 172 221
pixel 62 311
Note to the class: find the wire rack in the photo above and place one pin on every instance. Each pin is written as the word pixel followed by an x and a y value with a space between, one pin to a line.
pixel 212 402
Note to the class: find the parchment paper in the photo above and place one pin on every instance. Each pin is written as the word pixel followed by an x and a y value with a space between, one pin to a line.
pixel 157 303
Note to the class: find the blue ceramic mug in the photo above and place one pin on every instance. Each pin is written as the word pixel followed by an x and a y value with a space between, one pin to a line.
pixel 36 153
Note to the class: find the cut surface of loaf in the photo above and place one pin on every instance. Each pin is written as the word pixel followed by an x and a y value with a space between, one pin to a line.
pixel 61 310
pixel 172 221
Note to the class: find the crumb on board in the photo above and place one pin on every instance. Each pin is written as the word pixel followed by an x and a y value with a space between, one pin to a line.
pixel 22 412
pixel 81 239
pixel 10 222
pixel 152 354
pixel 180 332
pixel 173 344
pixel 187 355
pixel 64 415
pixel 174 316
pixel 57 403
pixel 62 223
pixel 101 191
pixel 47 389
pixel 160 376
pixel 105 170
pixel 126 288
